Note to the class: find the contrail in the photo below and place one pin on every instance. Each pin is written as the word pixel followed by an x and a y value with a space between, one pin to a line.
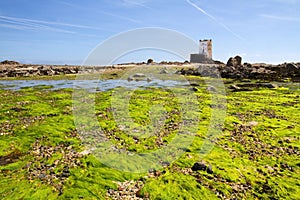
pixel 282 18
pixel 17 23
pixel 122 17
pixel 103 12
pixel 37 22
pixel 23 25
pixel 214 19
pixel 135 2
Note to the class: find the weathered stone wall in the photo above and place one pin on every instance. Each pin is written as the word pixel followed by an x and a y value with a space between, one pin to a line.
pixel 200 58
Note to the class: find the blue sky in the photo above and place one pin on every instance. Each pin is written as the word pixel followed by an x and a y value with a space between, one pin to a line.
pixel 66 31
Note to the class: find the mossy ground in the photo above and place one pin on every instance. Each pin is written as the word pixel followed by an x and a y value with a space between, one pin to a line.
pixel 255 157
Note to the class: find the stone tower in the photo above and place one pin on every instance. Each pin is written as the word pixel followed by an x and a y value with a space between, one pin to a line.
pixel 206 48
pixel 205 52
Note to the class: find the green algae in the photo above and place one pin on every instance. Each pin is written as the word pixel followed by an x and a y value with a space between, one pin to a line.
pixel 255 157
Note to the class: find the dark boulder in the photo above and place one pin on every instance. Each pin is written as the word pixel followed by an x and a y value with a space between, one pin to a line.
pixel 209 169
pixel 238 60
pixel 199 166
pixel 150 61
pixel 270 85
pixel 291 67
pixel 207 71
pixel 234 62
pixel 194 89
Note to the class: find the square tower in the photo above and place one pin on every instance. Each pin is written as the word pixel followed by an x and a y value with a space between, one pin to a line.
pixel 206 48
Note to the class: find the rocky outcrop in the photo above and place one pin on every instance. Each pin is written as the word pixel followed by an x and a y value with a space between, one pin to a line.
pixel 37 70
pixel 234 62
pixel 9 62
pixel 201 166
pixel 262 71
pixel 236 70
pixel 250 86
pixel 202 70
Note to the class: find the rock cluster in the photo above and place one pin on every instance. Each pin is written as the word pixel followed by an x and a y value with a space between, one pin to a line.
pixel 127 190
pixel 32 70
pixel 174 63
pixel 202 70
pixel 233 62
pixel 252 143
pixel 236 70
pixel 238 188
pixel 200 166
pixel 7 127
pixel 132 189
pixel 52 164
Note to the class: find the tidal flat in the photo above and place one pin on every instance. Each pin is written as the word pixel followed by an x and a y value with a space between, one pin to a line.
pixel 256 155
